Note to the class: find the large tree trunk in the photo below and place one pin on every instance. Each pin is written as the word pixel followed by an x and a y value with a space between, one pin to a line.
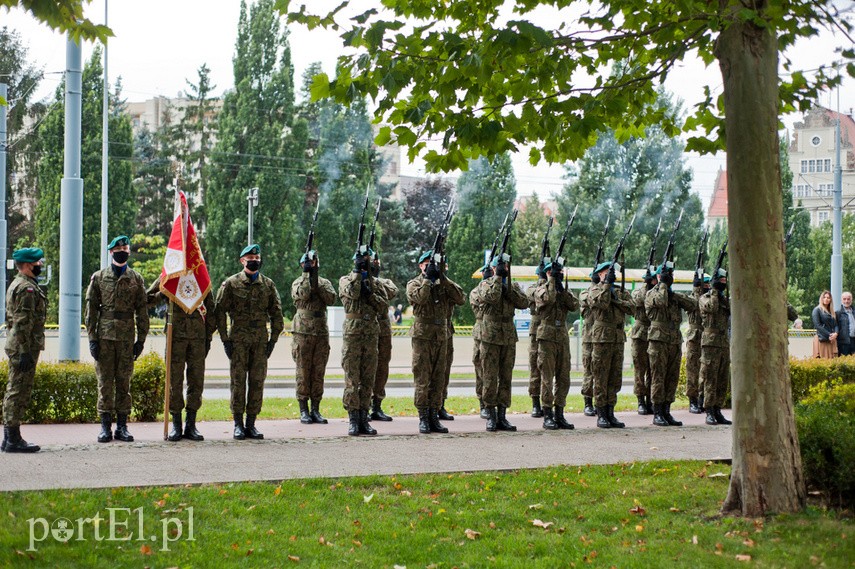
pixel 767 469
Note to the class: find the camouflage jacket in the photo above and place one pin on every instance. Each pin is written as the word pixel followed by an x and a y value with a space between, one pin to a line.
pixel 200 325
pixel 432 305
pixel 696 321
pixel 716 313
pixel 532 309
pixel 390 291
pixel 311 316
pixel 478 310
pixel 114 303
pixel 26 310
pixel 455 298
pixel 642 322
pixel 361 311
pixel 609 306
pixel 553 306
pixel 587 317
pixel 663 309
pixel 497 326
pixel 248 307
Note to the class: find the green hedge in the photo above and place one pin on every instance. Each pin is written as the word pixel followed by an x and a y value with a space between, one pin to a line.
pixel 810 372
pixel 68 392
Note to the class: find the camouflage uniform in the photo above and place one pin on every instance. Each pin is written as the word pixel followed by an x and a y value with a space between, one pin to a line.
pixel 533 367
pixel 609 305
pixel 455 298
pixel 113 304
pixel 498 339
pixel 310 345
pixel 693 348
pixel 26 309
pixel 384 341
pixel 640 361
pixel 587 346
pixel 478 310
pixel 191 338
pixel 715 354
pixel 665 340
pixel 553 342
pixel 248 306
pixel 361 331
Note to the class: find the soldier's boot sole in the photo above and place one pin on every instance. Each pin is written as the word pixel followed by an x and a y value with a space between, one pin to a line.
pixel 710 420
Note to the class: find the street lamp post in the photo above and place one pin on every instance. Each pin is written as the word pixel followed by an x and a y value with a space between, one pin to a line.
pixel 252 203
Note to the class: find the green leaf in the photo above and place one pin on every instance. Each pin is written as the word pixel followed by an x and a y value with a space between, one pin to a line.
pixel 383 136
pixel 320 88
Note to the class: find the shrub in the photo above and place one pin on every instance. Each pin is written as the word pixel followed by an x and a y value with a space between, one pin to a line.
pixel 810 372
pixel 68 392
pixel 826 427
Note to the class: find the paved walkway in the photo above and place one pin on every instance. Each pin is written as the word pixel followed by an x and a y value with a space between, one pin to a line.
pixel 70 457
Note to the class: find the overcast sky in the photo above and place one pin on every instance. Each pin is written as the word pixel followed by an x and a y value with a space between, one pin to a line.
pixel 158 44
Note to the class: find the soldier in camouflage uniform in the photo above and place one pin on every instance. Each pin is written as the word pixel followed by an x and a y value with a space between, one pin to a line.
pixel 553 344
pixel 26 309
pixel 116 298
pixel 499 341
pixel 694 389
pixel 478 311
pixel 715 354
pixel 310 345
pixel 533 368
pixel 609 306
pixel 587 348
pixel 247 303
pixel 191 342
pixel 430 295
pixel 364 301
pixel 665 342
pixel 640 360
pixel 384 344
pixel 451 301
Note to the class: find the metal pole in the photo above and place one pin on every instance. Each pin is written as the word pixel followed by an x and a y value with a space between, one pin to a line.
pixel 837 221
pixel 3 94
pixel 71 212
pixel 251 201
pixel 105 159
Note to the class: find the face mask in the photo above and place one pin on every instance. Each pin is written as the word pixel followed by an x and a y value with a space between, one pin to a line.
pixel 121 257
pixel 719 286
pixel 37 270
pixel 253 265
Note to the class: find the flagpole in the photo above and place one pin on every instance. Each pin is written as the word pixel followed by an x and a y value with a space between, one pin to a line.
pixel 167 387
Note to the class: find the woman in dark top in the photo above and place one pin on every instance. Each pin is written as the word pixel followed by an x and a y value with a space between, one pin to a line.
pixel 825 341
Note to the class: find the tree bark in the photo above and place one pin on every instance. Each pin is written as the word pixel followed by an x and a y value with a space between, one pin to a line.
pixel 767 469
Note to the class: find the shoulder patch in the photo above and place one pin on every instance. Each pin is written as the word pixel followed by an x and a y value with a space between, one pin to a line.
pixel 92 278
pixel 30 289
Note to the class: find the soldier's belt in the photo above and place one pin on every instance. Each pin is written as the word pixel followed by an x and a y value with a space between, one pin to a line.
pixel 430 321
pixel 117 315
pixel 311 313
pixel 250 323
pixel 354 316
pixel 502 319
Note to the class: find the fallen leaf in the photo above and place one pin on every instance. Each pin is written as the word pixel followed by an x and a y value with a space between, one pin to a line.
pixel 743 557
pixel 145 549
pixel 492 525
pixel 406 493
pixel 814 560
pixel 357 543
pixel 639 528
pixel 654 448
pixel 368 498
pixel 541 524
pixel 675 509
pixel 717 475
pixel 748 542
pixel 694 540
pixel 270 531
pixel 292 538
pixel 277 490
pixel 472 534
pixel 249 552
pixel 294 558
pixel 251 508
pixel 535 506
pixel 399 567
pixel 638 510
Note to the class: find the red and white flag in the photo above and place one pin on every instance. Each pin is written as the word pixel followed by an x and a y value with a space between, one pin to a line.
pixel 184 278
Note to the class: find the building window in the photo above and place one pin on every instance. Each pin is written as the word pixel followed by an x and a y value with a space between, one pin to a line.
pixel 804 167
pixel 816 141
pixel 811 166
pixel 821 216
pixel 827 164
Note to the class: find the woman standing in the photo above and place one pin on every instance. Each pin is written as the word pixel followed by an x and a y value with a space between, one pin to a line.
pixel 825 341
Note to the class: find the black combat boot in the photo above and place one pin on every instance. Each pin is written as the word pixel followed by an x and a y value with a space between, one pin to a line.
pixel 603 418
pixel 548 419
pixel 377 413
pixel 671 420
pixel 14 442
pixel 304 412
pixel 5 438
pixel 315 413
pixel 443 414
pixel 590 410
pixel 710 420
pixel 536 409
pixel 560 420
pixel 240 433
pixel 353 423
pixel 121 433
pixel 484 414
pixel 106 434
pixel 694 407
pixel 719 417
pixel 701 402
pixel 658 417
pixel 364 427
pixel 251 431
pixel 502 421
pixel 642 406
pixel 175 432
pixel 190 431
pixel 649 405
pixel 610 411
pixel 433 422
pixel 424 421
pixel 492 419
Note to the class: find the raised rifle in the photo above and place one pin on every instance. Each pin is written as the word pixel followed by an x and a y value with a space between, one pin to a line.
pixel 373 235
pixel 559 257
pixel 496 240
pixel 702 251
pixel 438 252
pixel 789 234
pixel 362 249
pixel 669 249
pixel 651 267
pixel 311 238
pixel 722 253
pixel 599 257
pixel 619 248
pixel 505 257
pixel 544 245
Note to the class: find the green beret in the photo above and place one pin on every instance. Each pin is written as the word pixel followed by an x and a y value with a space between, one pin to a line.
pixel 707 278
pixel 372 253
pixel 668 267
pixel 251 250
pixel 602 266
pixel 28 255
pixel 721 274
pixel 119 241
pixel 540 269
pixel 425 256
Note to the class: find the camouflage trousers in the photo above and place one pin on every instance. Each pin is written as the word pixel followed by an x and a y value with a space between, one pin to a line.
pixel 381 377
pixel 664 370
pixel 359 360
pixel 476 363
pixel 428 372
pixel 533 367
pixel 694 383
pixel 587 374
pixel 607 369
pixel 310 354
pixel 114 369
pixel 187 363
pixel 248 369
pixel 446 377
pixel 641 367
pixel 19 389
pixel 715 368
pixel 553 361
pixel 497 366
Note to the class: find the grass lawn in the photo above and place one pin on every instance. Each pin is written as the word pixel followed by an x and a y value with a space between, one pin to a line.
pixel 634 515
